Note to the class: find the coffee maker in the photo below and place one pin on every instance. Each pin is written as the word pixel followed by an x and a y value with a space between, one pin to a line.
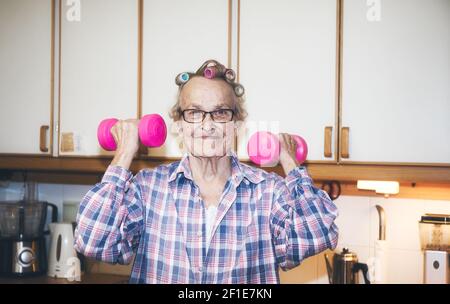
pixel 435 241
pixel 22 237
pixel 345 267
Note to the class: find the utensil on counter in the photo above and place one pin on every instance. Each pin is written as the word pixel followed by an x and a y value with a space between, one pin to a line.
pixel 435 242
pixel 345 268
pixel 23 249
pixel 63 260
pixel 378 263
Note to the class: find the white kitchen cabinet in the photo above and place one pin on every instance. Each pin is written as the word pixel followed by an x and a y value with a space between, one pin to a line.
pixel 396 76
pixel 25 76
pixel 178 36
pixel 288 68
pixel 99 70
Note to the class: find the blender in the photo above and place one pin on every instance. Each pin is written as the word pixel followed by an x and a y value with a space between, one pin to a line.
pixel 22 237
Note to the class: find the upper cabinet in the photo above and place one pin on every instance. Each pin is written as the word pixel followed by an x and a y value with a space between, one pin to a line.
pixel 396 82
pixel 26 76
pixel 363 82
pixel 178 36
pixel 98 70
pixel 287 64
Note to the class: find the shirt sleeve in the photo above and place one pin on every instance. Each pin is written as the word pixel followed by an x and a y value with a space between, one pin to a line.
pixel 110 217
pixel 302 219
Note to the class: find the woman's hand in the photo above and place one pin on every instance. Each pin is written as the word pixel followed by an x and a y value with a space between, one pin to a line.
pixel 288 149
pixel 126 135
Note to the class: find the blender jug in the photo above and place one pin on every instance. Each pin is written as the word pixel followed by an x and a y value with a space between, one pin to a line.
pixel 22 237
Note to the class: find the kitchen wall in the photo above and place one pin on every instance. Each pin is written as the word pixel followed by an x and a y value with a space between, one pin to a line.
pixel 358 226
pixel 357 221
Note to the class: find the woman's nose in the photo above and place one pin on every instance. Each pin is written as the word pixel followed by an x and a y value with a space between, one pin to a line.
pixel 208 122
pixel 208 118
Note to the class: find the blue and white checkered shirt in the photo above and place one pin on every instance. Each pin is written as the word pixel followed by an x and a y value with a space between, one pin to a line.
pixel 263 222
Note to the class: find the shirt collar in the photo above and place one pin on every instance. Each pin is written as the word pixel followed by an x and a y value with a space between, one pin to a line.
pixel 239 171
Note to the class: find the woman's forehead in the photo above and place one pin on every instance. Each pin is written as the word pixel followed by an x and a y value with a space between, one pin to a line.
pixel 201 92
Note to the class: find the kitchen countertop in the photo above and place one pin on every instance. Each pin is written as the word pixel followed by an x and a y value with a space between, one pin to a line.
pixel 89 278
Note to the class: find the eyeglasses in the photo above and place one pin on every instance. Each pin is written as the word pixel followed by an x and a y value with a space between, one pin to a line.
pixel 195 116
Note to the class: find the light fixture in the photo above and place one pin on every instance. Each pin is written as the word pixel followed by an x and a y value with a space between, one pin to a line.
pixel 383 187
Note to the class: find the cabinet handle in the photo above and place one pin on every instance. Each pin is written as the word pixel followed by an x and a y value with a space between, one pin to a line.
pixel 327 144
pixel 344 142
pixel 43 139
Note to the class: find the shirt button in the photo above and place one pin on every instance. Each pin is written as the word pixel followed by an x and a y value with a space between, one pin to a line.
pixel 199 234
pixel 200 269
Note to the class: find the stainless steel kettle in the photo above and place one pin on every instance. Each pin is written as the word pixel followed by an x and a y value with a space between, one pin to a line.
pixel 345 268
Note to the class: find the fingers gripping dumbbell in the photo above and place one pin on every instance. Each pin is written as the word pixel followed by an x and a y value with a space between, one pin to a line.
pixel 263 148
pixel 152 132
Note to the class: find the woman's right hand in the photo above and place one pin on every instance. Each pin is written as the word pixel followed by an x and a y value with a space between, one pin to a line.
pixel 126 135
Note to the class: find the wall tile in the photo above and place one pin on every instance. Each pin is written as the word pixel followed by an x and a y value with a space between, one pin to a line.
pixel 353 220
pixel 402 217
pixel 405 266
pixel 306 273
pixel 438 207
pixel 52 193
pixel 75 192
pixel 12 191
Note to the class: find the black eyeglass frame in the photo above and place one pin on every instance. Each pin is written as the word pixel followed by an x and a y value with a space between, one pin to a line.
pixel 211 113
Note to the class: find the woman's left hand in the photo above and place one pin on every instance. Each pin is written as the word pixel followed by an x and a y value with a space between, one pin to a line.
pixel 288 149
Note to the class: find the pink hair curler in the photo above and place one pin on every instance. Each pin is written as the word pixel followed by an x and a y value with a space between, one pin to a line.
pixel 263 149
pixel 214 71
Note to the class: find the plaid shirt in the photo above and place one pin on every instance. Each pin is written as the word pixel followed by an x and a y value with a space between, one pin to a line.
pixel 263 222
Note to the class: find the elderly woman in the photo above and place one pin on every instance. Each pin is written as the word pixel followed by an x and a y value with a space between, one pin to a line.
pixel 207 218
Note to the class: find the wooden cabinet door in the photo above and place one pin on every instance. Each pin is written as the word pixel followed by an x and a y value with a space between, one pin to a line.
pixel 99 68
pixel 178 36
pixel 26 76
pixel 288 68
pixel 396 76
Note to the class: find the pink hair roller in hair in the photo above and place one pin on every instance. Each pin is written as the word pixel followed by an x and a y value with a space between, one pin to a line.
pixel 263 149
pixel 214 71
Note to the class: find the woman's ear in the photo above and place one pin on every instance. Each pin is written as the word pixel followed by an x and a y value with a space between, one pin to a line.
pixel 180 127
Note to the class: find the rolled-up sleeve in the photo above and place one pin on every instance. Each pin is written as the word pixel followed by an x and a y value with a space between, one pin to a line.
pixel 302 219
pixel 110 217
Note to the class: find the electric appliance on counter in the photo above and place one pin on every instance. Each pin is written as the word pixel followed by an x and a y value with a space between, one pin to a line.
pixel 63 259
pixel 435 241
pixel 345 268
pixel 22 237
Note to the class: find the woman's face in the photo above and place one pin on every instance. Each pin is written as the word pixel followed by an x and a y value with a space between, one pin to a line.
pixel 207 138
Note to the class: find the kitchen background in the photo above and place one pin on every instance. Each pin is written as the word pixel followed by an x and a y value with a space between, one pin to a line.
pixel 366 83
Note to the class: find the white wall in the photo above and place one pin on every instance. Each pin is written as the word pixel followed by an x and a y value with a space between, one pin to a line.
pixel 357 221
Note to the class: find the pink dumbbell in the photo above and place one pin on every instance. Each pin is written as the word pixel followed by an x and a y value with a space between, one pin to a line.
pixel 152 132
pixel 264 148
